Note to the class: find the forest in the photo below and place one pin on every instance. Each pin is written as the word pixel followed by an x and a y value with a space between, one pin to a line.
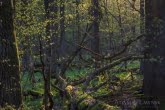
pixel 82 55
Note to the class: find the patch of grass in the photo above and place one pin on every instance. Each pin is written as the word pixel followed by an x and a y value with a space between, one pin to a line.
pixel 76 73
pixel 27 84
pixel 32 104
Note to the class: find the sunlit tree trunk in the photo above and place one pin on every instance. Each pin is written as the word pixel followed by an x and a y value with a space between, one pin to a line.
pixel 142 16
pixel 10 88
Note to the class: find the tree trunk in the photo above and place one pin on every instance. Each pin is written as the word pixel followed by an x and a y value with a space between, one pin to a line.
pixel 62 29
pixel 54 35
pixel 142 16
pixel 10 88
pixel 95 41
pixel 153 66
pixel 47 60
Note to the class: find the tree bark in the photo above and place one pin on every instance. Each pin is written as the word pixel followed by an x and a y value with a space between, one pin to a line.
pixel 10 87
pixel 47 60
pixel 95 41
pixel 154 63
pixel 62 29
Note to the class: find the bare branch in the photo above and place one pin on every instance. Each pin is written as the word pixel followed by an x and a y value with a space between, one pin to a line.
pixel 128 43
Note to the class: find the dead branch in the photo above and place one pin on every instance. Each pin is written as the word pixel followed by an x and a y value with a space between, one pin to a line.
pixel 109 66
pixel 128 43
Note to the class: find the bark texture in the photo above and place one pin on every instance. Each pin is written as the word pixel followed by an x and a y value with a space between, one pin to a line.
pixel 95 41
pixel 154 63
pixel 10 88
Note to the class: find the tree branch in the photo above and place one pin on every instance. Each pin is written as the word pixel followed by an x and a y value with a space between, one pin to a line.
pixel 109 66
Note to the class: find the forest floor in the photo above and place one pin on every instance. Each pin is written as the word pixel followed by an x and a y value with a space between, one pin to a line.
pixel 124 93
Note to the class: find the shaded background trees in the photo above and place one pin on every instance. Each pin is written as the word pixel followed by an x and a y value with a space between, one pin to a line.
pixel 71 47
